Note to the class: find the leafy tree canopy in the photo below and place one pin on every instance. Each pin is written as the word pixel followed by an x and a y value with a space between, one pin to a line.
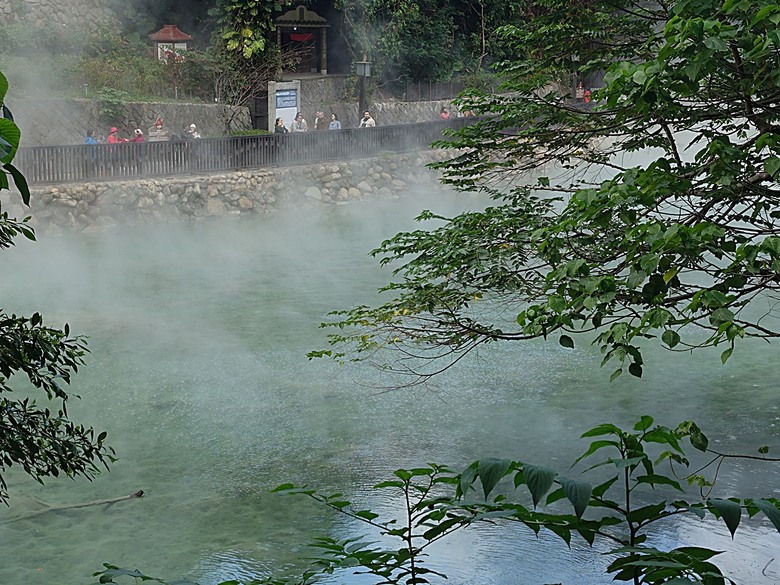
pixel 427 40
pixel 239 25
pixel 44 442
pixel 244 25
pixel 584 242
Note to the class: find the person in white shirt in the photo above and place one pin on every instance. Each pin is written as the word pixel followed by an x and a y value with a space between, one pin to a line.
pixel 367 121
pixel 299 124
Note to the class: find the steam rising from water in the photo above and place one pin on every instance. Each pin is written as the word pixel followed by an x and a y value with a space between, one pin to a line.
pixel 198 335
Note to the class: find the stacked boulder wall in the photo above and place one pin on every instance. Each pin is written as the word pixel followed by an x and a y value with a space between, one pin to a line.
pixel 101 205
pixel 56 15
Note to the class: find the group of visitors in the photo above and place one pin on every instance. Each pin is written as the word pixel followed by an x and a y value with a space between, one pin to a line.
pixel 113 137
pixel 299 123
pixel 444 113
pixel 156 133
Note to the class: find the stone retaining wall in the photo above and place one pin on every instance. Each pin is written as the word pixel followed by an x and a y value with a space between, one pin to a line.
pixel 52 14
pixel 55 122
pixel 97 206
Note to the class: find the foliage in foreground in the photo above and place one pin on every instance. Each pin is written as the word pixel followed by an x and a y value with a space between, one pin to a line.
pixel 641 479
pixel 650 213
pixel 41 441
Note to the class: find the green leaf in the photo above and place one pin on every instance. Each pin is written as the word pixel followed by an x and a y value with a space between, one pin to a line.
pixel 595 446
pixel 630 462
pixel 491 471
pixel 699 440
pixel 566 341
pixel 772 166
pixel 577 492
pixel 644 423
pixel 646 513
pixel 3 87
pixel 670 338
pixel 467 478
pixel 716 44
pixel 720 316
pixel 442 527
pixel 21 182
pixel 697 509
pixel 389 483
pixel 654 480
pixel 601 430
pixel 639 77
pixel 602 488
pixel 366 514
pixel 770 510
pixel 698 553
pixel 11 134
pixel 731 512
pixel 539 481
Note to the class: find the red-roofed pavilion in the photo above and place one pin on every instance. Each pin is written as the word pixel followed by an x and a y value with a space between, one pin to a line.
pixel 169 39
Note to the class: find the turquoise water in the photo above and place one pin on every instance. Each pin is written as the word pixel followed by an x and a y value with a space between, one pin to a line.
pixel 198 370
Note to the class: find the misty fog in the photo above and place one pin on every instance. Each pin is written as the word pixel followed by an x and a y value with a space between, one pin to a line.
pixel 198 335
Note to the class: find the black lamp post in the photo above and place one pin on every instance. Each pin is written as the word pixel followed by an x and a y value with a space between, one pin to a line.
pixel 362 70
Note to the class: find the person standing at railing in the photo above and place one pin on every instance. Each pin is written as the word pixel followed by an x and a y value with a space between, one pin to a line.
pixel 299 124
pixel 113 152
pixel 320 123
pixel 91 157
pixel 334 123
pixel 138 154
pixel 156 133
pixel 279 127
pixel 444 114
pixel 113 136
pixel 367 121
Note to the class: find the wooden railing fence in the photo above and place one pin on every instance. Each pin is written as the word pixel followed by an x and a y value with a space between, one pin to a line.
pixel 68 164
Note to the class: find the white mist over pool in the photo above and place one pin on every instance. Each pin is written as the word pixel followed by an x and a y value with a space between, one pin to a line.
pixel 198 370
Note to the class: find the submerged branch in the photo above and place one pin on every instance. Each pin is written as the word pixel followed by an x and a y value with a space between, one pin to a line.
pixel 50 508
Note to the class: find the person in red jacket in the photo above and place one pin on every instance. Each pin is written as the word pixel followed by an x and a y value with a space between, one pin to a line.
pixel 139 136
pixel 113 137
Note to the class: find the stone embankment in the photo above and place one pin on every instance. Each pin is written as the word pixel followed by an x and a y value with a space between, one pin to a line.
pixel 98 206
pixel 56 15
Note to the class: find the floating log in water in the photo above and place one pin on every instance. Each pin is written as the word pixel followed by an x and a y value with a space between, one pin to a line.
pixel 50 508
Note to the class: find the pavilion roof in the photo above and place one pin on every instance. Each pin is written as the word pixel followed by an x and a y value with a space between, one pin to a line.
pixel 170 33
pixel 301 16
